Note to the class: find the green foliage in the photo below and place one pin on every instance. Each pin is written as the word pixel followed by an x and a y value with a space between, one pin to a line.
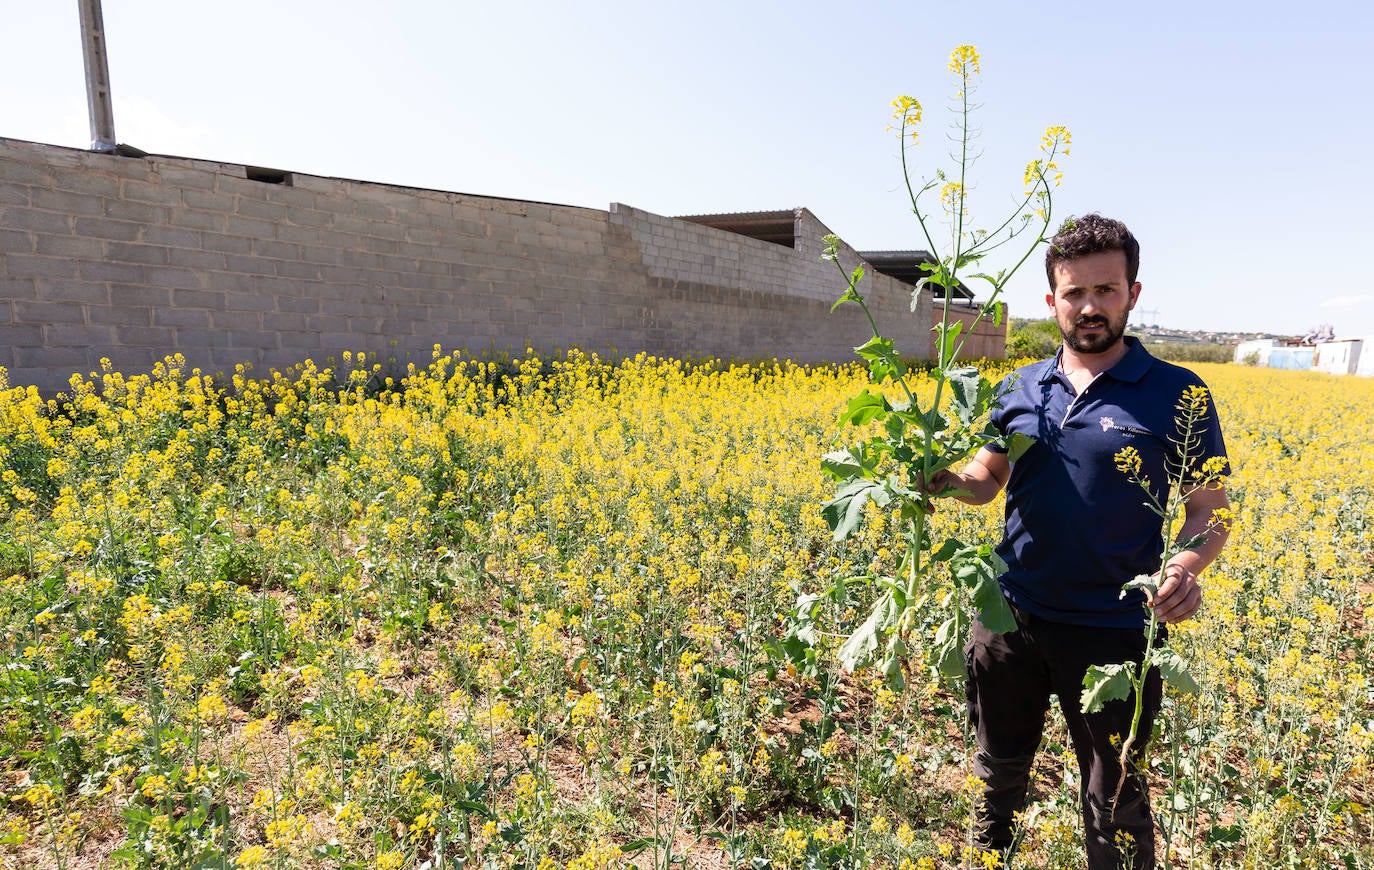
pixel 1033 339
pixel 904 445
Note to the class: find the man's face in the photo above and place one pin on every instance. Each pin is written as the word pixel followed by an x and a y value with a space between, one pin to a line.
pixel 1092 299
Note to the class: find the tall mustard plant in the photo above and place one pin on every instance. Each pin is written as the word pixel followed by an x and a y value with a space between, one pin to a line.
pixel 1126 680
pixel 906 443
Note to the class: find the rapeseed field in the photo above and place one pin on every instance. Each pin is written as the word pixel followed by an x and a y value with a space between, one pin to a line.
pixel 543 613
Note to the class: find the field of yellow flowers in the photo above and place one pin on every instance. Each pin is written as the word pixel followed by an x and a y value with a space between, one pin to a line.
pixel 543 613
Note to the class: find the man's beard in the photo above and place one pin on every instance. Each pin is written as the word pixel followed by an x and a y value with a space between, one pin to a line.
pixel 1102 341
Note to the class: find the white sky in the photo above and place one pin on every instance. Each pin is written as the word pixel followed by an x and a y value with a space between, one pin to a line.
pixel 1233 138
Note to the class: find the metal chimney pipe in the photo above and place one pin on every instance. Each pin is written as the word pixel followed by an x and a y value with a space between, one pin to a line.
pixel 97 76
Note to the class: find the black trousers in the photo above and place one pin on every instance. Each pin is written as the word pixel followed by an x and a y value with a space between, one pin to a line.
pixel 1010 679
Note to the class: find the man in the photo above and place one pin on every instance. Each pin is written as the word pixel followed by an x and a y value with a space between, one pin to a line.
pixel 1076 530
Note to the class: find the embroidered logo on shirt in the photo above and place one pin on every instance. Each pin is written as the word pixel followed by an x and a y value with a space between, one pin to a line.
pixel 1109 424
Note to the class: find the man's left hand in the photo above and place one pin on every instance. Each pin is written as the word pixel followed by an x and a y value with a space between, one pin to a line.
pixel 1178 597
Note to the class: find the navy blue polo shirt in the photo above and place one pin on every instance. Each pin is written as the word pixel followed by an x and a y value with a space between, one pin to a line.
pixel 1076 527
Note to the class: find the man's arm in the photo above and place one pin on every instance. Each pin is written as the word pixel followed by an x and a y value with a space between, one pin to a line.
pixel 1180 596
pixel 982 478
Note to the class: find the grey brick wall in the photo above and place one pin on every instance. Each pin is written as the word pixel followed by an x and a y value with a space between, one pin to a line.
pixel 135 259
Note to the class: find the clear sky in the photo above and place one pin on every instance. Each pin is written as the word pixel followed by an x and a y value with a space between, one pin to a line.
pixel 1234 138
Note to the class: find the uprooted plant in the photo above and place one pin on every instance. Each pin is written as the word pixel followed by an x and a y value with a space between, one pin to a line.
pixel 906 443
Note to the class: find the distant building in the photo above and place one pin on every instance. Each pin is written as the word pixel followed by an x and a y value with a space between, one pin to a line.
pixel 1339 356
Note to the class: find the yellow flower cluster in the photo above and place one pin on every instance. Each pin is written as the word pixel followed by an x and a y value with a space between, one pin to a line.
pixel 562 585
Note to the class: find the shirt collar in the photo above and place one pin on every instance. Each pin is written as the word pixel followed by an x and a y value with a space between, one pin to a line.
pixel 1130 368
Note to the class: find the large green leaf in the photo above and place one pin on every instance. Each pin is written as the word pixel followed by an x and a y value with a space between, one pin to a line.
pixel 971 393
pixel 863 408
pixel 1175 671
pixel 948 652
pixel 852 462
pixel 948 334
pixel 1104 683
pixel 844 512
pixel 977 568
pixel 860 647
pixel 882 359
pixel 1017 444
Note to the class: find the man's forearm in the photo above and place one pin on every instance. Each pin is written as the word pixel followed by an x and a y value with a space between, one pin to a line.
pixel 1200 519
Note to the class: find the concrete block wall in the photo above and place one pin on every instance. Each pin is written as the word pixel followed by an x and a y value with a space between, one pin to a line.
pixel 704 277
pixel 986 340
pixel 135 259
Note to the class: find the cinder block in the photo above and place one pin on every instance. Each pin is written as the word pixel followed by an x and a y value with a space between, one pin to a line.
pixel 309 217
pixel 230 282
pixel 65 359
pixel 249 264
pixel 374 212
pixel 228 358
pixel 207 200
pixel 378 245
pixel 148 255
pixel 20 335
pixel 125 210
pixel 361 260
pixel 137 360
pixel 83 181
pixel 299 271
pixel 326 254
pixel 230 320
pixel 18 288
pixel 74 291
pixel 119 315
pixel 17 242
pixel 24 266
pixel 347 307
pixel 226 244
pixel 327 323
pixel 258 338
pixel 67 335
pixel 266 247
pixel 249 302
pixel 151 191
pixel 243 226
pixel 14 194
pixel 182 177
pixel 191 298
pixel 181 317
pixel 198 220
pixel 156 298
pixel 66 201
pixel 288 323
pixel 298 304
pixel 102 228
pixel 176 278
pixel 201 261
pixel 70 246
pixel 298 235
pixel 256 208
pixel 22 172
pixel 201 338
pixel 304 341
pixel 16 217
pixel 173 237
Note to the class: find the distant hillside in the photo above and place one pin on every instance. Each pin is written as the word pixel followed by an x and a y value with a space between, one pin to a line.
pixel 1039 337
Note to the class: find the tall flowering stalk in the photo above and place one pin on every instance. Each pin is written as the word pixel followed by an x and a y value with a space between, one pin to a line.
pixel 909 443
pixel 1126 680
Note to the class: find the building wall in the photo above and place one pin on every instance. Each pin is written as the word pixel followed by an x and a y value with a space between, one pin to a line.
pixel 134 259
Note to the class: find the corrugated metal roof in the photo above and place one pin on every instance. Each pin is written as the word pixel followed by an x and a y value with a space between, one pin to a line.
pixel 778 227
pixel 906 266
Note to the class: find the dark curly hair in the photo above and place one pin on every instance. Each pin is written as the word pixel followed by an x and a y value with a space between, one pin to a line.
pixel 1092 234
